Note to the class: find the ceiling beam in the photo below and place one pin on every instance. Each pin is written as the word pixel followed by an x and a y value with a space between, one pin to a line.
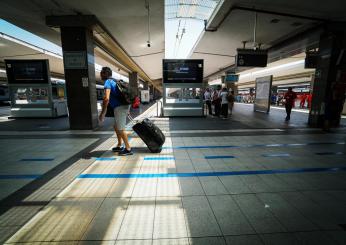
pixel 257 10
pixel 102 39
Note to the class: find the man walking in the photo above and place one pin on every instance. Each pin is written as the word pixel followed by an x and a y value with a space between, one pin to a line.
pixel 112 97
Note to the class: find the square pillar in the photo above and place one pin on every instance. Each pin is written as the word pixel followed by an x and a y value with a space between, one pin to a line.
pixel 79 68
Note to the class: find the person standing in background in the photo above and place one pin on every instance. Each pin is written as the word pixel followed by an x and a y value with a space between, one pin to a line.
pixel 216 100
pixel 224 103
pixel 290 98
pixel 302 100
pixel 207 98
pixel 230 99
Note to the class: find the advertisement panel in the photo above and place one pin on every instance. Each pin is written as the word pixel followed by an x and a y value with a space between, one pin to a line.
pixel 263 93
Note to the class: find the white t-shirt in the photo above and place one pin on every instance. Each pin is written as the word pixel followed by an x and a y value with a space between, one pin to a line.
pixel 207 95
pixel 223 96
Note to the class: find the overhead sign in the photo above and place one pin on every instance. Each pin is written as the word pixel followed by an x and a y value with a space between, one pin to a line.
pixel 251 58
pixel 75 60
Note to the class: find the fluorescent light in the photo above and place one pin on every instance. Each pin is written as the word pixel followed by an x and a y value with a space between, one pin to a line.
pixel 2 71
pixel 270 69
pixel 52 54
pixel 215 82
pixel 58 79
pixel 4 36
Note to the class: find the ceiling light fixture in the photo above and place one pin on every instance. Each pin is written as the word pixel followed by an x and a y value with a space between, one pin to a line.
pixel 148 9
pixel 274 21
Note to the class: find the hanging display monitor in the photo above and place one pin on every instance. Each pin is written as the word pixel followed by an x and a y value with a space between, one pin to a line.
pixel 231 78
pixel 27 71
pixel 263 93
pixel 251 58
pixel 182 71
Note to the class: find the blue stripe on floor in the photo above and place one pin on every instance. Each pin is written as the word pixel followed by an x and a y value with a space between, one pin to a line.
pixel 158 158
pixel 19 176
pixel 208 174
pixel 251 146
pixel 276 155
pixel 105 158
pixel 218 157
pixel 329 153
pixel 200 147
pixel 37 159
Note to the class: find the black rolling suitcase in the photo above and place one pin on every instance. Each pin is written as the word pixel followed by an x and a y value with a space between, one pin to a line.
pixel 150 134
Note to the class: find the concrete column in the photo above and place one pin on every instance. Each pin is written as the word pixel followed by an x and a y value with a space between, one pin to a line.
pixel 145 85
pixel 78 52
pixel 133 82
pixel 79 66
pixel 330 78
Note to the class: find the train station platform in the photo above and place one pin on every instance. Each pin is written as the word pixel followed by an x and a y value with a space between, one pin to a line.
pixel 251 179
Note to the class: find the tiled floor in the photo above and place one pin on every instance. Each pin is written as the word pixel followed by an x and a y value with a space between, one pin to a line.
pixel 247 205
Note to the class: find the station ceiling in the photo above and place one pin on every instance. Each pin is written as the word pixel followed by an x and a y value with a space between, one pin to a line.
pixel 127 22
pixel 234 21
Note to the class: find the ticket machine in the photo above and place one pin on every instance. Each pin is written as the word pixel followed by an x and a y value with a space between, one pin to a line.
pixel 32 92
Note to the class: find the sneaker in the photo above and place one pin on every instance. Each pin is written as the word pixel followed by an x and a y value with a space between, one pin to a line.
pixel 125 152
pixel 117 149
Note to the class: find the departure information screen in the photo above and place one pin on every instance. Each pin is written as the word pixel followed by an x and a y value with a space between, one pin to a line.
pixel 27 71
pixel 182 71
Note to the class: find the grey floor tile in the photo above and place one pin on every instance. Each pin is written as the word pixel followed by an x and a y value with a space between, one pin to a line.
pixel 331 205
pixel 234 184
pixel 145 188
pixel 138 222
pixel 200 219
pixel 297 181
pixel 280 238
pixel 288 216
pixel 60 220
pixel 190 186
pixel 99 188
pixel 260 218
pixel 244 240
pixel 312 211
pixel 207 241
pixel 134 242
pixel 96 243
pixel 169 218
pixel 122 188
pixel 229 216
pixel 42 195
pixel 168 187
pixel 108 219
pixel 315 238
pixel 275 183
pixel 255 183
pixel 212 185
pixel 181 241
pixel 10 186
pixel 338 236
pixel 7 232
pixel 18 215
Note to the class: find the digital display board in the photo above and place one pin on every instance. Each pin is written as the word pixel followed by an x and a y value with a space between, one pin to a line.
pixel 27 71
pixel 231 78
pixel 182 71
pixel 251 58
